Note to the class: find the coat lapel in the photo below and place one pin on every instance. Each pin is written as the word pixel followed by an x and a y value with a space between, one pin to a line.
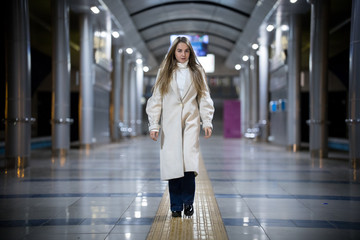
pixel 187 86
pixel 175 87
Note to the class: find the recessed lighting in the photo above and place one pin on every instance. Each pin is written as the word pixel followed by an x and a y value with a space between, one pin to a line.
pixel 284 28
pixel 270 27
pixel 237 66
pixel 101 34
pixel 116 34
pixel 293 1
pixel 139 61
pixel 255 46
pixel 95 9
pixel 245 58
pixel 146 69
pixel 129 50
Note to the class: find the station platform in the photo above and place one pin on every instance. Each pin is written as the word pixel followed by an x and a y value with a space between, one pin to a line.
pixel 245 190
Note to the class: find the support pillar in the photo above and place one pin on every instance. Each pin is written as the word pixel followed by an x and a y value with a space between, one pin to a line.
pixel 293 102
pixel 247 97
pixel 133 100
pixel 18 85
pixel 254 64
pixel 318 67
pixel 139 96
pixel 242 99
pixel 86 101
pixel 60 112
pixel 264 90
pixel 115 94
pixel 122 91
pixel 126 96
pixel 354 86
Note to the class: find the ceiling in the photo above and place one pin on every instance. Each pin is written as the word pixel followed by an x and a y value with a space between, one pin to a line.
pixel 146 25
pixel 224 21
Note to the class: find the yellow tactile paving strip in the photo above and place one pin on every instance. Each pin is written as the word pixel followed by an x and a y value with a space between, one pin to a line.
pixel 206 223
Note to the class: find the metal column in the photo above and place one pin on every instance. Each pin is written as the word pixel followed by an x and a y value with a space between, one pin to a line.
pixel 242 100
pixel 18 91
pixel 139 96
pixel 264 90
pixel 115 94
pixel 293 104
pixel 354 86
pixel 60 113
pixel 133 99
pixel 122 91
pixel 86 101
pixel 318 64
pixel 254 65
pixel 126 96
pixel 247 98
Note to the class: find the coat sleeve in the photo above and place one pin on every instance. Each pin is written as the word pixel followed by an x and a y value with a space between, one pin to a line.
pixel 206 107
pixel 153 110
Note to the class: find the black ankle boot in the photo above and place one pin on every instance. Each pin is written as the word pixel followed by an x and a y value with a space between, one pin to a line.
pixel 176 213
pixel 189 210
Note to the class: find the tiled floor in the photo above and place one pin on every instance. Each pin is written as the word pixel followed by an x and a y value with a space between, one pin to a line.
pixel 114 191
pixel 205 223
pixel 264 192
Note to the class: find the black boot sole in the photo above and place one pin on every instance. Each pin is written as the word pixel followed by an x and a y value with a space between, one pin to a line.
pixel 176 213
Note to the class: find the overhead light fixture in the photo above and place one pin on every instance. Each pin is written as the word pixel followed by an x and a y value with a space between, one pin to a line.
pixel 293 1
pixel 139 61
pixel 284 28
pixel 270 27
pixel 146 69
pixel 115 34
pixel 129 50
pixel 245 58
pixel 237 66
pixel 95 9
pixel 255 46
pixel 101 34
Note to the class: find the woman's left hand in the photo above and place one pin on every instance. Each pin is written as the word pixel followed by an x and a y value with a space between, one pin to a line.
pixel 208 132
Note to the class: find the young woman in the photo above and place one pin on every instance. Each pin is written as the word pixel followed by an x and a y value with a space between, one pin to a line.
pixel 180 98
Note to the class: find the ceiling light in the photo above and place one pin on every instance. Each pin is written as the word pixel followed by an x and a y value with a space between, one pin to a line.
pixel 270 27
pixel 102 34
pixel 116 34
pixel 255 46
pixel 129 50
pixel 245 58
pixel 95 9
pixel 293 1
pixel 237 66
pixel 146 69
pixel 284 28
pixel 139 61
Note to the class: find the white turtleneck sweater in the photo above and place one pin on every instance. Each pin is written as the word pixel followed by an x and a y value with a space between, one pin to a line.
pixel 182 75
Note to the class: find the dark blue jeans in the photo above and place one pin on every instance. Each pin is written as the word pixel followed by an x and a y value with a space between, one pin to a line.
pixel 182 191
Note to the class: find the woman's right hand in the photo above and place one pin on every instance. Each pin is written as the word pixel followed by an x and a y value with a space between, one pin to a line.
pixel 208 132
pixel 154 135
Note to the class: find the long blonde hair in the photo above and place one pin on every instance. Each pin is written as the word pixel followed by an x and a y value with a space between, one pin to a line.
pixel 169 65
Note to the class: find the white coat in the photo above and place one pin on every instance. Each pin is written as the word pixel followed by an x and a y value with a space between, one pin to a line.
pixel 180 127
